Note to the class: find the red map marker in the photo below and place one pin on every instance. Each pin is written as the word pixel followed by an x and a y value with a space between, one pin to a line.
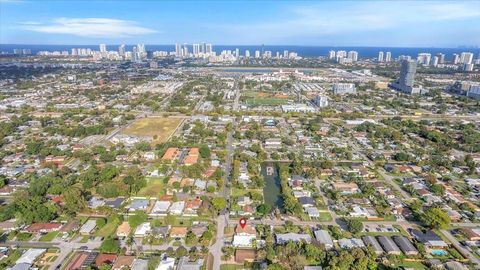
pixel 243 222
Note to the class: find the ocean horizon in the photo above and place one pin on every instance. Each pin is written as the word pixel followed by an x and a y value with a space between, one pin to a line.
pixel 302 50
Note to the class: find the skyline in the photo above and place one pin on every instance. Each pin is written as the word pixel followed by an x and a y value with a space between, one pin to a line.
pixel 364 24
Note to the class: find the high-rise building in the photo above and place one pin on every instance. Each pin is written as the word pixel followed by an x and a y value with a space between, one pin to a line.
pixel 435 61
pixel 331 54
pixel 103 48
pixel 196 49
pixel 247 54
pixel 456 59
pixel 353 55
pixel 466 57
pixel 141 48
pixel 257 54
pixel 380 57
pixel 178 50
pixel 424 59
pixel 468 67
pixel 237 52
pixel 208 48
pixel 388 57
pixel 74 51
pixel 441 58
pixel 405 83
pixel 185 49
pixel 121 50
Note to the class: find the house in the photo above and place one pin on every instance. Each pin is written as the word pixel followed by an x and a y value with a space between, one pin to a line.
pixel 388 245
pixel 372 241
pixel 243 255
pixel 82 260
pixel 114 203
pixel 143 229
pixel 243 241
pixel 105 259
pixel 124 229
pixel 273 143
pixel 244 200
pixel 346 188
pixel 405 245
pixel 30 255
pixel 177 208
pixel 348 243
pixel 160 208
pixel 71 226
pixel 246 230
pixel 123 262
pixel 198 230
pixel 295 237
pixel 88 227
pixel 170 154
pixel 192 206
pixel 179 232
pixel 138 204
pixel 306 201
pixel 167 263
pixel 323 237
pixel 430 239
pixel 161 231
pixel 8 225
pixel 43 227
pixel 471 234
pixel 186 264
pixel 140 264
pixel 312 212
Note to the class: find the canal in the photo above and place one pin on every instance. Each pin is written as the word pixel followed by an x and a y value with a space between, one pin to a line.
pixel 272 192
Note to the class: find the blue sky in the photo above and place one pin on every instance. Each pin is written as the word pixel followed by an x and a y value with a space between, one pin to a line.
pixel 335 23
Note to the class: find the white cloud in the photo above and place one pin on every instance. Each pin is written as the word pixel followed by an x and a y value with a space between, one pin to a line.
pixel 343 18
pixel 91 27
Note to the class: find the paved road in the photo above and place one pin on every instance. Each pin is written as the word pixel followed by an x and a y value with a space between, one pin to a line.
pixel 459 247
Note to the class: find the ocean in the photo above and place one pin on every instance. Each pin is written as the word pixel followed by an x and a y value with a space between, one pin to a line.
pixel 304 51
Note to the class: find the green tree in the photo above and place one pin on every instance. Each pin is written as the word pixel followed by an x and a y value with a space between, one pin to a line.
pixel 436 218
pixel 137 219
pixel 110 245
pixel 354 226
pixel 219 203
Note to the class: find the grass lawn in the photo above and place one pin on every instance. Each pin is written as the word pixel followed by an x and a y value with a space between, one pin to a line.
pixel 236 192
pixel 154 188
pixel 48 237
pixel 414 265
pixel 265 101
pixel 109 229
pixel 231 267
pixel 24 236
pixel 324 216
pixel 160 126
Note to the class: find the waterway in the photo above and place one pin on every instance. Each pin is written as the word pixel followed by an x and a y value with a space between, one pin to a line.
pixel 272 191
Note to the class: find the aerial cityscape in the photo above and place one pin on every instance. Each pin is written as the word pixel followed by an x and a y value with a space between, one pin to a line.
pixel 182 135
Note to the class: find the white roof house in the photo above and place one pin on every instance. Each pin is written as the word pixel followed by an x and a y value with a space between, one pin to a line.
pixel 166 264
pixel 177 208
pixel 351 243
pixel 243 240
pixel 143 229
pixel 161 207
pixel 30 255
pixel 323 237
pixel 88 227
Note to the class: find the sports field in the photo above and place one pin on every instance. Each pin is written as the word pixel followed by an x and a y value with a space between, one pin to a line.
pixel 162 127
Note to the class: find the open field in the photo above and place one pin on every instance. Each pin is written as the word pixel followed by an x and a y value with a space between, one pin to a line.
pixel 153 189
pixel 109 229
pixel 259 98
pixel 48 237
pixel 160 127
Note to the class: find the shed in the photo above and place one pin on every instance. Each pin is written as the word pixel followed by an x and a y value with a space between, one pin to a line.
pixel 388 245
pixel 372 241
pixel 405 245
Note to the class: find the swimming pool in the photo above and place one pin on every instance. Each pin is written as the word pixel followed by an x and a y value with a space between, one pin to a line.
pixel 438 252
